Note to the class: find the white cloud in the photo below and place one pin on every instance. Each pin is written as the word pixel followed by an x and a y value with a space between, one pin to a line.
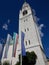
pixel 41 26
pixel 34 13
pixel 5 26
pixel 48 49
pixel 0 48
pixel 40 30
pixel 8 20
pixel 36 18
pixel 3 40
pixel 41 34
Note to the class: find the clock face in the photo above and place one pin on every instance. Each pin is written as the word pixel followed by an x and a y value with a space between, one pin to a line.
pixel 25 12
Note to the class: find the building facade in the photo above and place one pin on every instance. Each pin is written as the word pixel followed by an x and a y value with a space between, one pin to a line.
pixel 32 40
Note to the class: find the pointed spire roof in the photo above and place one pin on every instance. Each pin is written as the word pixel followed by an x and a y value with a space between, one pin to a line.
pixel 25 5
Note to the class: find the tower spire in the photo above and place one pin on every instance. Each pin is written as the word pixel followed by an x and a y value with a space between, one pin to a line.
pixel 24 0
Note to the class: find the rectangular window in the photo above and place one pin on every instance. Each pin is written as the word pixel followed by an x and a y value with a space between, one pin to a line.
pixel 29 42
pixel 26 42
pixel 28 29
pixel 25 30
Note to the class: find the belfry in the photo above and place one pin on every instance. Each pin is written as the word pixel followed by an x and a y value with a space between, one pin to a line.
pixel 32 39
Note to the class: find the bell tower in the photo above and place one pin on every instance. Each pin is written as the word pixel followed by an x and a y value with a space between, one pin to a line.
pixel 29 27
pixel 32 39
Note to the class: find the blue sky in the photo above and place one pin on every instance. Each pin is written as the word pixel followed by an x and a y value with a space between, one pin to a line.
pixel 9 18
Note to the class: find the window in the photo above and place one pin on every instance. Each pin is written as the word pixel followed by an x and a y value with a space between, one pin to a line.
pixel 25 30
pixel 24 12
pixel 29 42
pixel 24 20
pixel 28 29
pixel 26 42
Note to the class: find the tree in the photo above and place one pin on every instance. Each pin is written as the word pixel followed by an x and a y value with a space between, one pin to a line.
pixel 0 62
pixel 6 63
pixel 29 59
pixel 17 63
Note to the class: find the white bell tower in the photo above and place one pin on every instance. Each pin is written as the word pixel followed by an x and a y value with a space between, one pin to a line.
pixel 32 39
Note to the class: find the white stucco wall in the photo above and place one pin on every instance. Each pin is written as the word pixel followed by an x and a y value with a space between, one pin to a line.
pixel 36 49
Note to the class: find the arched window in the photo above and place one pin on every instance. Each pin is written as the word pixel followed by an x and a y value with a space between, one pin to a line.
pixel 24 12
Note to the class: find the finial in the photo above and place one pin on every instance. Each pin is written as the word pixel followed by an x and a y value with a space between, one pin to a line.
pixel 24 0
